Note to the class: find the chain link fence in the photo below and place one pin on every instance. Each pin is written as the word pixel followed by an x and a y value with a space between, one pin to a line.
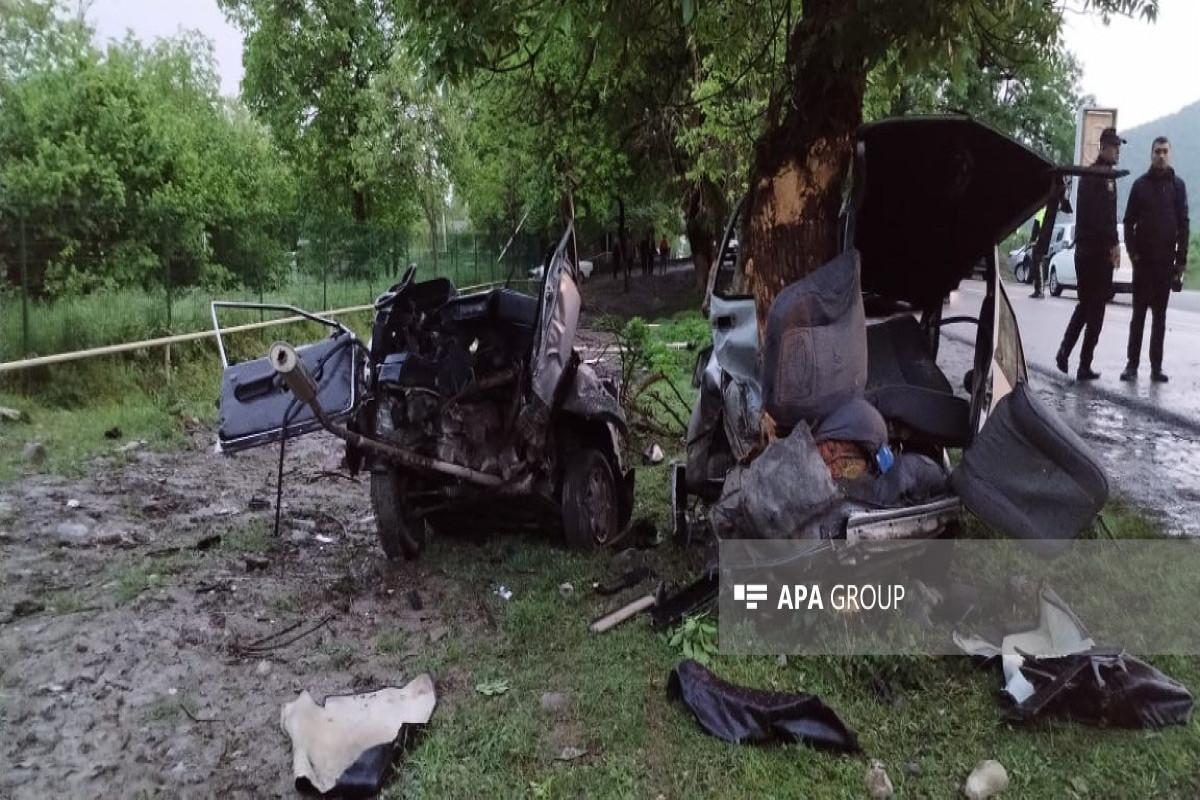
pixel 58 295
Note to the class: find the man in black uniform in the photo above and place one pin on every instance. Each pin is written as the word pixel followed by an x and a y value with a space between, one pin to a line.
pixel 1097 254
pixel 1156 236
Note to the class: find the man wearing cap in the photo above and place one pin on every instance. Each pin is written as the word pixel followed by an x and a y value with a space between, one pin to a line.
pixel 1097 254
pixel 1156 236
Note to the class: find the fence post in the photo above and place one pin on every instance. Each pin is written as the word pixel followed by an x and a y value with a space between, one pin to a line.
pixel 24 288
pixel 167 252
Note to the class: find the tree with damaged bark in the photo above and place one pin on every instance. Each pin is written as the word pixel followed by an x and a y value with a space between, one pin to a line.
pixel 802 160
pixel 803 151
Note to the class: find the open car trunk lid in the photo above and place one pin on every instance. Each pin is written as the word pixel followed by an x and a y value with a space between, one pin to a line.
pixel 933 195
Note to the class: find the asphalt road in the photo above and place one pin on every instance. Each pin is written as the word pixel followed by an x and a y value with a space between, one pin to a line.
pixel 1146 434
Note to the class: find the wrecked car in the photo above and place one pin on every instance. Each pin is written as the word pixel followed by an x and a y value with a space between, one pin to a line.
pixel 840 424
pixel 462 407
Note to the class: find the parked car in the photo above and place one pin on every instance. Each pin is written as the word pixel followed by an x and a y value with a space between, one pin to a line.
pixel 465 410
pixel 1062 268
pixel 866 326
pixel 1020 260
pixel 585 270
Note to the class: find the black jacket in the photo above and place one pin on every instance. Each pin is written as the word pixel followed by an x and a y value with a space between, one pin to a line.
pixel 1096 215
pixel 1156 218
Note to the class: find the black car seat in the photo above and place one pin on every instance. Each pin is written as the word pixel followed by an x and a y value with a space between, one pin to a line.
pixel 906 385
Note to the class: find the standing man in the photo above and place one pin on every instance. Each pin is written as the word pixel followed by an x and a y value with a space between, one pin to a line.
pixel 1097 254
pixel 1035 270
pixel 1156 236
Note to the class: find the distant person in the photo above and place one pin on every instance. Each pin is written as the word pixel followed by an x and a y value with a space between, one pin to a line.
pixel 618 253
pixel 664 249
pixel 1097 254
pixel 1036 269
pixel 1156 237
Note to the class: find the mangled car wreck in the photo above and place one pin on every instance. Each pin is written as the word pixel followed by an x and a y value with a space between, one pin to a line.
pixel 457 402
pixel 860 420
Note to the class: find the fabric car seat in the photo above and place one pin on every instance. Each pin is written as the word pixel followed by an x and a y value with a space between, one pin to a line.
pixel 906 385
pixel 815 349
pixel 1028 475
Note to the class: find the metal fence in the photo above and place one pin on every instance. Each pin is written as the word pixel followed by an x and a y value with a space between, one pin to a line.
pixel 56 298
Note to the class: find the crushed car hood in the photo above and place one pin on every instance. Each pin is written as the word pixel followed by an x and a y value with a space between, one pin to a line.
pixel 933 195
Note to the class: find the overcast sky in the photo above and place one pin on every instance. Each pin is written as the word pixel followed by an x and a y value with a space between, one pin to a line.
pixel 1139 68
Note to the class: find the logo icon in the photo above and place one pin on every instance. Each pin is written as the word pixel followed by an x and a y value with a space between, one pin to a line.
pixel 750 594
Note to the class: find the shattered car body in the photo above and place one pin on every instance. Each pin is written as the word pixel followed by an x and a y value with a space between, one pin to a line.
pixel 823 355
pixel 458 401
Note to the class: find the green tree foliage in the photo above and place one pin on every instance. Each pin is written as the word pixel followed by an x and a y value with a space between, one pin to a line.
pixel 1031 97
pixel 672 97
pixel 125 167
pixel 310 70
pixel 571 115
pixel 372 139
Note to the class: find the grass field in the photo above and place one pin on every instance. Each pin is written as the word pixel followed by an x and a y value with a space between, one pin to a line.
pixel 132 315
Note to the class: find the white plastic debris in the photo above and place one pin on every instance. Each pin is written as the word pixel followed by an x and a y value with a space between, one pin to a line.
pixel 505 593
pixel 327 740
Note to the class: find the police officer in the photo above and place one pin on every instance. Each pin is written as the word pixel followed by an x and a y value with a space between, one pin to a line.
pixel 1156 236
pixel 1036 269
pixel 1097 254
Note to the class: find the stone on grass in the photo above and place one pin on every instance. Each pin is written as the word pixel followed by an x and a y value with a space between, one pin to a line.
pixel 988 779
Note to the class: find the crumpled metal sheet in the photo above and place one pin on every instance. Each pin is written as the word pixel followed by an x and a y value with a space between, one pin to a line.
pixel 589 399
pixel 737 714
pixel 559 320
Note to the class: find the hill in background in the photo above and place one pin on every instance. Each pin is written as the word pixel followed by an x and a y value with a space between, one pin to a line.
pixel 1183 129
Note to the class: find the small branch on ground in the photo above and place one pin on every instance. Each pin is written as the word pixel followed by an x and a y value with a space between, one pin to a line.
pixel 258 647
pixel 652 427
pixel 194 718
pixel 329 474
pixel 666 407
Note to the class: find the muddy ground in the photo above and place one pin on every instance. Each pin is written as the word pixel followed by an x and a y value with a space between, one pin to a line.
pixel 136 606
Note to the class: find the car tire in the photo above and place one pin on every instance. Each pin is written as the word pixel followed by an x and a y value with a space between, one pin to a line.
pixel 1022 273
pixel 400 534
pixel 589 501
pixel 1056 288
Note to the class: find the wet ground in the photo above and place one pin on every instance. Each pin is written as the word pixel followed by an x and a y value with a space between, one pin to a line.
pixel 152 624
pixel 1146 435
pixel 131 601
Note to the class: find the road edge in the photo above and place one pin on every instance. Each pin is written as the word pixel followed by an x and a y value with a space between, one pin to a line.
pixel 1135 403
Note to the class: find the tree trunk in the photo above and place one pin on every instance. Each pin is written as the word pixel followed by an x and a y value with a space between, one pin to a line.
pixel 358 205
pixel 790 220
pixel 706 210
pixel 431 218
pixel 622 246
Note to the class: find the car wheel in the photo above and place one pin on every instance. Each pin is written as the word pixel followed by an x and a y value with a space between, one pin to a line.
pixel 1056 288
pixel 589 501
pixel 1022 272
pixel 400 534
